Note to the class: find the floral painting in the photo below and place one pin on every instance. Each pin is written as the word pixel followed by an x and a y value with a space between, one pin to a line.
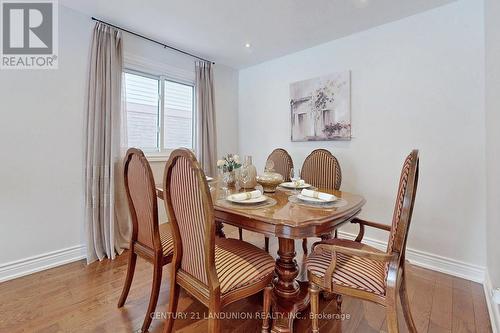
pixel 321 108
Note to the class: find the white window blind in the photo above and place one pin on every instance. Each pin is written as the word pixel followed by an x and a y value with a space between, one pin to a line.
pixel 148 122
pixel 178 115
pixel 142 111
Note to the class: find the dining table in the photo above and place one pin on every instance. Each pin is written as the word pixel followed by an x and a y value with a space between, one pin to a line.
pixel 286 218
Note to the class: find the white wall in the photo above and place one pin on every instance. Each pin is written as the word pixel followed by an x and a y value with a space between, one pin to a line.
pixel 416 83
pixel 493 135
pixel 492 13
pixel 41 136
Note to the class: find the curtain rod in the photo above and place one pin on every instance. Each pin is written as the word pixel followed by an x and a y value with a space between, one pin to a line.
pixel 152 40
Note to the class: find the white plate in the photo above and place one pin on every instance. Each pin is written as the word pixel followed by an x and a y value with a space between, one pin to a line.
pixel 315 200
pixel 292 185
pixel 262 198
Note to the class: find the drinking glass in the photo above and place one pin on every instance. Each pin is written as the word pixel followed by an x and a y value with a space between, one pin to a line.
pixel 223 179
pixel 295 178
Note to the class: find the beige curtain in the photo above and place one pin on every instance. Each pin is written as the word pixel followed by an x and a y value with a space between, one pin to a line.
pixel 106 214
pixel 207 140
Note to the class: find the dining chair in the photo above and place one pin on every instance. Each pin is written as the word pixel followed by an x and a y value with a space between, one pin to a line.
pixel 346 267
pixel 321 169
pixel 283 163
pixel 149 240
pixel 216 271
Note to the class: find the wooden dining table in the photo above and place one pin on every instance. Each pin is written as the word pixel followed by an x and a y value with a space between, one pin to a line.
pixel 286 220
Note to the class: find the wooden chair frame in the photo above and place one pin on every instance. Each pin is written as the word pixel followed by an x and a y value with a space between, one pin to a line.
pixel 395 260
pixel 210 295
pixel 336 185
pixel 153 255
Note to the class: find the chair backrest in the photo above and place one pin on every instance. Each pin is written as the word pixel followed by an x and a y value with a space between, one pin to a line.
pixel 404 204
pixel 282 162
pixel 321 169
pixel 190 211
pixel 141 194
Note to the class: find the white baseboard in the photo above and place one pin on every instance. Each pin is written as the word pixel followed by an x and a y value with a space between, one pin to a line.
pixel 41 262
pixel 431 261
pixel 493 309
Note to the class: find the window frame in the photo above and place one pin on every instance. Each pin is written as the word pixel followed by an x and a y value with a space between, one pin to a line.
pixel 161 153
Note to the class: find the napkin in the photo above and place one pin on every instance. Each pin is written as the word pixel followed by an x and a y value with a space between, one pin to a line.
pixel 246 195
pixel 318 195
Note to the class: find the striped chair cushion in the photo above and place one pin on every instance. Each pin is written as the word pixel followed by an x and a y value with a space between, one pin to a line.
pixel 352 272
pixel 321 169
pixel 167 242
pixel 239 264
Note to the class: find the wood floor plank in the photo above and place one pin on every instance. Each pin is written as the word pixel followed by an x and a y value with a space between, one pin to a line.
pixel 442 309
pixel 443 279
pixel 461 284
pixel 421 302
pixel 353 308
pixel 481 318
pixel 433 328
pixel 372 319
pixel 463 311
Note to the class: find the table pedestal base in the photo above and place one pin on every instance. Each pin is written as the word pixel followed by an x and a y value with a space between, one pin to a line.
pixel 285 310
pixel 290 296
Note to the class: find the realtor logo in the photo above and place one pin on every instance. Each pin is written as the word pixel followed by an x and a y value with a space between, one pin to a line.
pixel 29 34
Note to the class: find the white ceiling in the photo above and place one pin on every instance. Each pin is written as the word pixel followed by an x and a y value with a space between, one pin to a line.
pixel 219 29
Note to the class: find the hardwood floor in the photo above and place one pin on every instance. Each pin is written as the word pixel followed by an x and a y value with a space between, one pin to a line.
pixel 80 298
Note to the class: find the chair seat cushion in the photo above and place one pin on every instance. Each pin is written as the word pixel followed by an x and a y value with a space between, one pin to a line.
pixel 240 264
pixel 350 271
pixel 167 242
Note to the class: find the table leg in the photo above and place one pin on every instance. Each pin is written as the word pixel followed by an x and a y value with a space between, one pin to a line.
pixel 290 296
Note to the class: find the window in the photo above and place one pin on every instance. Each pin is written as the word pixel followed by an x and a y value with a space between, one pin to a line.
pixel 159 113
